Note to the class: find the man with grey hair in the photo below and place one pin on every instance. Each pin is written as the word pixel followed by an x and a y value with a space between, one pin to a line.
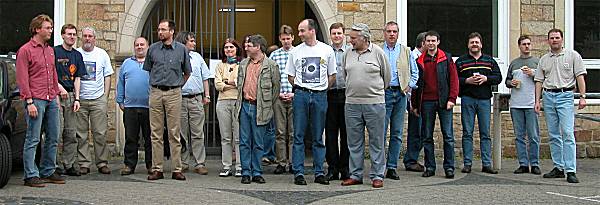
pixel 404 78
pixel 95 85
pixel 367 74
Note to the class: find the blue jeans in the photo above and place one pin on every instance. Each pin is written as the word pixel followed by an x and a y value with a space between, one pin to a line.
pixel 309 107
pixel 48 117
pixel 525 123
pixel 359 116
pixel 482 108
pixel 395 107
pixel 428 115
pixel 270 141
pixel 414 141
pixel 251 140
pixel 560 120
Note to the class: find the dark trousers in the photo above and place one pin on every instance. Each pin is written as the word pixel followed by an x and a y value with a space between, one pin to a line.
pixel 337 157
pixel 414 142
pixel 136 119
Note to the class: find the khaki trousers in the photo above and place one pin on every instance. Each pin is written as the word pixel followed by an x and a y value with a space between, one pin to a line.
pixel 165 103
pixel 192 129
pixel 68 131
pixel 92 115
pixel 284 115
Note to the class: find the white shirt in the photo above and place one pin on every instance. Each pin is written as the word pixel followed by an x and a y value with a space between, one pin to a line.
pixel 97 66
pixel 311 65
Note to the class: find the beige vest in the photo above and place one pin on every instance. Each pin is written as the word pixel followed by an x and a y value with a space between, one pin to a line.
pixel 403 66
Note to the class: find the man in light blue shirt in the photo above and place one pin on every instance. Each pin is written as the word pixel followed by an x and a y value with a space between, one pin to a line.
pixel 404 78
pixel 195 94
pixel 133 91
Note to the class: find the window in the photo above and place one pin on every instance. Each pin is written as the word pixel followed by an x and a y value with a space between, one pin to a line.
pixel 16 16
pixel 587 28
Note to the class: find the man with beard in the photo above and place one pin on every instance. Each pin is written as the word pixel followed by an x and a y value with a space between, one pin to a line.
pixel 132 96
pixel 95 86
pixel 169 65
pixel 69 68
pixel 477 73
pixel 38 85
pixel 311 70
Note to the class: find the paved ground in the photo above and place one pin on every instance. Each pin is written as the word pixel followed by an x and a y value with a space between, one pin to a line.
pixel 474 188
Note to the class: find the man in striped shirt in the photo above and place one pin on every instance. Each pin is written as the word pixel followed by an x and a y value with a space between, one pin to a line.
pixel 477 73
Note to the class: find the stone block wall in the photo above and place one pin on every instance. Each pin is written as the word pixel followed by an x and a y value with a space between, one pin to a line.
pixel 370 12
pixel 537 18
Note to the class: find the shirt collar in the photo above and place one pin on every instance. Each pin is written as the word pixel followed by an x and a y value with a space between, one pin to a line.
pixel 36 44
pixel 343 48
pixel 165 46
pixel 393 48
pixel 369 48
pixel 562 52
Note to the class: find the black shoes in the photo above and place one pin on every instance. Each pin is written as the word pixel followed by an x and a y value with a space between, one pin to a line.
pixel 536 170
pixel 332 176
pixel 449 173
pixel 489 170
pixel 571 178
pixel 245 179
pixel 391 174
pixel 258 179
pixel 428 173
pixel 72 172
pixel 522 170
pixel 299 180
pixel 466 169
pixel 556 173
pixel 279 170
pixel 321 180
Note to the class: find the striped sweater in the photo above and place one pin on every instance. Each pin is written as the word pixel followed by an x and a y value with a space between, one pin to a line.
pixel 467 65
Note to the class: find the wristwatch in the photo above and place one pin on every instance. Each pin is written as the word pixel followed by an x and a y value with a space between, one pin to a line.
pixel 208 96
pixel 582 96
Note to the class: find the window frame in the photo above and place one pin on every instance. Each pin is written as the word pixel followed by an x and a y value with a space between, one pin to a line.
pixel 589 63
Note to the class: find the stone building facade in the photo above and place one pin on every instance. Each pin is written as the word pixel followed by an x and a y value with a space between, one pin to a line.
pixel 118 22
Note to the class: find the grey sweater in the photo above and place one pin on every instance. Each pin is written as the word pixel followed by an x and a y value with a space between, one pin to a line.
pixel 367 75
pixel 523 97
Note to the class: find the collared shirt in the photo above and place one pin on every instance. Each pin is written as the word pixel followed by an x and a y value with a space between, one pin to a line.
pixel 368 74
pixel 416 53
pixel 251 81
pixel 133 88
pixel 200 73
pixel 36 75
pixel 167 64
pixel 392 54
pixel 559 70
pixel 340 79
pixel 69 65
pixel 280 56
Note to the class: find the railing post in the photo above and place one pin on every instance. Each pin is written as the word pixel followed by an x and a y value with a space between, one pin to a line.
pixel 497 132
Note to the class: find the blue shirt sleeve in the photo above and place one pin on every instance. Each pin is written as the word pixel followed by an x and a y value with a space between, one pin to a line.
pixel 414 72
pixel 204 68
pixel 121 84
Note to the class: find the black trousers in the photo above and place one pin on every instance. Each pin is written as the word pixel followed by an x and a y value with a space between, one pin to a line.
pixel 337 157
pixel 136 120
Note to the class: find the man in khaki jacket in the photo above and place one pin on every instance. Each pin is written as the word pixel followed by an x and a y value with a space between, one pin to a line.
pixel 259 81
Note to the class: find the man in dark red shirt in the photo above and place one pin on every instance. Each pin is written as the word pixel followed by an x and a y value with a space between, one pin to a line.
pixel 436 93
pixel 38 85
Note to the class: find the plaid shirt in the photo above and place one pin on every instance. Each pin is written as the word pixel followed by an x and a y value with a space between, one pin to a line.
pixel 280 56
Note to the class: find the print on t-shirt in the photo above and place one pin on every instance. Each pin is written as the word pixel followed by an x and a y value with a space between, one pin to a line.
pixel 311 70
pixel 90 68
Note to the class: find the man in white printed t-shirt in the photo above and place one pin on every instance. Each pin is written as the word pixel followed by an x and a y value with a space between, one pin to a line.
pixel 311 69
pixel 95 85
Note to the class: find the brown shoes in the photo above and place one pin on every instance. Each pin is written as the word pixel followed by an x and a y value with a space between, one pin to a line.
pixel 178 176
pixel 201 170
pixel 54 178
pixel 126 171
pixel 34 182
pixel 415 168
pixel 104 170
pixel 156 175
pixel 84 170
pixel 349 182
pixel 377 183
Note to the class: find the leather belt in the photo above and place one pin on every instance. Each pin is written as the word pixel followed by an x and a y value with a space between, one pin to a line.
pixel 559 90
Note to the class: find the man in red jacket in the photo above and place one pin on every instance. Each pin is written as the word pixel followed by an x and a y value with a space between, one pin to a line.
pixel 436 93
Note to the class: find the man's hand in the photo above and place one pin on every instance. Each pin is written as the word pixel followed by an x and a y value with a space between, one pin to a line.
pixel 472 80
pixel 537 107
pixel 415 112
pixel 449 105
pixel 482 79
pixel 514 82
pixel 63 93
pixel 32 110
pixel 406 90
pixel 121 106
pixel 205 100
pixel 528 71
pixel 582 103
pixel 76 106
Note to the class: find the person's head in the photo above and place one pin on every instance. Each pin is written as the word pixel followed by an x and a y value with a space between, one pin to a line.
pixel 286 36
pixel 360 36
pixel 231 48
pixel 390 32
pixel 68 33
pixel 432 40
pixel 166 29
pixel 256 45
pixel 140 46
pixel 336 32
pixel 89 38
pixel 474 43
pixel 555 39
pixel 271 48
pixel 41 26
pixel 245 44
pixel 524 44
pixel 307 30
pixel 420 41
pixel 188 39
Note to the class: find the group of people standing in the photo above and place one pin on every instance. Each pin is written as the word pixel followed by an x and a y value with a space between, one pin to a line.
pixel 330 93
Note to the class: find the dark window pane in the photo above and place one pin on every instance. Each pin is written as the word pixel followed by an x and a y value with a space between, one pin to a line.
pixel 15 17
pixel 454 20
pixel 587 28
